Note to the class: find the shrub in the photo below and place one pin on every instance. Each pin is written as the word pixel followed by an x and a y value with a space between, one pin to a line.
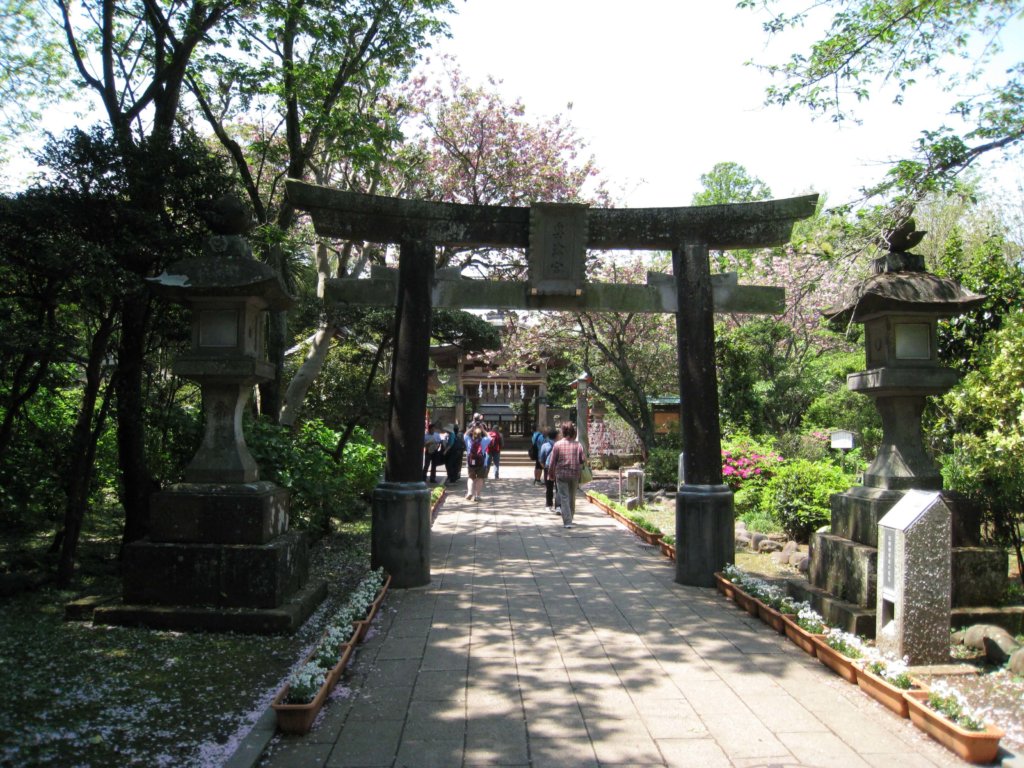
pixel 321 488
pixel 798 496
pixel 662 468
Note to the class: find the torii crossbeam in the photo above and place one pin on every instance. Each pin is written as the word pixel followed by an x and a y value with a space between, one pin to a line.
pixel 557 237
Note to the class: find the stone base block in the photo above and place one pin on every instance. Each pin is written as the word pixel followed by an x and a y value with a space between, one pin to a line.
pixel 836 612
pixel 250 513
pixel 844 569
pixel 285 618
pixel 705 533
pixel 979 576
pixel 855 513
pixel 220 575
pixel 848 572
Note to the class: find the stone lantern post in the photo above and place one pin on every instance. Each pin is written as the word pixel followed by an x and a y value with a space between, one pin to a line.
pixel 220 554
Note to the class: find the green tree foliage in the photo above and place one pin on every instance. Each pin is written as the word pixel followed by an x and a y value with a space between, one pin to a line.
pixel 297 90
pixel 727 183
pixel 874 44
pixel 990 266
pixel 33 66
pixel 322 488
pixel 983 430
pixel 762 388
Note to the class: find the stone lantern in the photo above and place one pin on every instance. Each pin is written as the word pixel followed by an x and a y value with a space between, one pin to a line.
pixel 899 305
pixel 220 554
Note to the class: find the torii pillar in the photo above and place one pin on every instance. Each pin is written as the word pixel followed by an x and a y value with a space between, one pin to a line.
pixel 704 504
pixel 400 527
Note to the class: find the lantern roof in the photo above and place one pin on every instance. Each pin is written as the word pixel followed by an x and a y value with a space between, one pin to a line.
pixel 191 279
pixel 901 284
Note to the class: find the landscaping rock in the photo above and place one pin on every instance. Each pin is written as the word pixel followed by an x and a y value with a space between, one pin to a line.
pixel 756 539
pixel 781 558
pixel 998 651
pixel 1017 662
pixel 790 547
pixel 975 636
pixel 803 562
pixel 740 525
pixel 769 545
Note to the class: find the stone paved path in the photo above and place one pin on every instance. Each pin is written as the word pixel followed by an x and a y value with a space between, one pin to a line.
pixel 540 646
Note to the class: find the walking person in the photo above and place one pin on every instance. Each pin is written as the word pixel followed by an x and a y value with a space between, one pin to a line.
pixel 543 454
pixel 476 461
pixel 536 442
pixel 494 449
pixel 453 456
pixel 431 445
pixel 566 462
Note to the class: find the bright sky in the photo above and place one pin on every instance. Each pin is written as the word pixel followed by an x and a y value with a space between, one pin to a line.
pixel 660 93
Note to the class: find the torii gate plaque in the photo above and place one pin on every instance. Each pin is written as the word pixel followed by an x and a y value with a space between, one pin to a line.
pixel 557 237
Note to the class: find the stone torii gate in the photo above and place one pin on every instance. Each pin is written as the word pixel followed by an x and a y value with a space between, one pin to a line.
pixel 557 237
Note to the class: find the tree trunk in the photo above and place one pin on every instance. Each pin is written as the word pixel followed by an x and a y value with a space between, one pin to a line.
pixel 306 375
pixel 82 451
pixel 137 483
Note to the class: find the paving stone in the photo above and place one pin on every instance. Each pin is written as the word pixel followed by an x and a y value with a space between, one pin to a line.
pixel 694 753
pixel 429 753
pixel 565 752
pixel 367 746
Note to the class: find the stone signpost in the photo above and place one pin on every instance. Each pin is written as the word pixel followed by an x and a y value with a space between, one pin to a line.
pixel 557 237
pixel 914 584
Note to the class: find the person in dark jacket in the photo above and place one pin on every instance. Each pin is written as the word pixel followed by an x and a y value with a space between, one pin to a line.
pixel 453 457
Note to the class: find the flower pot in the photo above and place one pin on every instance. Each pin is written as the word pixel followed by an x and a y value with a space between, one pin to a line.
pixel 834 660
pixel 726 587
pixel 380 598
pixel 745 601
pixel 972 746
pixel 599 504
pixel 334 673
pixel 882 691
pixel 771 617
pixel 800 636
pixel 361 628
pixel 434 510
pixel 298 718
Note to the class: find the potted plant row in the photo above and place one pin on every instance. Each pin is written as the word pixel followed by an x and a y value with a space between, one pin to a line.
pixel 940 712
pixel 770 603
pixel 297 704
pixel 668 546
pixel 640 526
